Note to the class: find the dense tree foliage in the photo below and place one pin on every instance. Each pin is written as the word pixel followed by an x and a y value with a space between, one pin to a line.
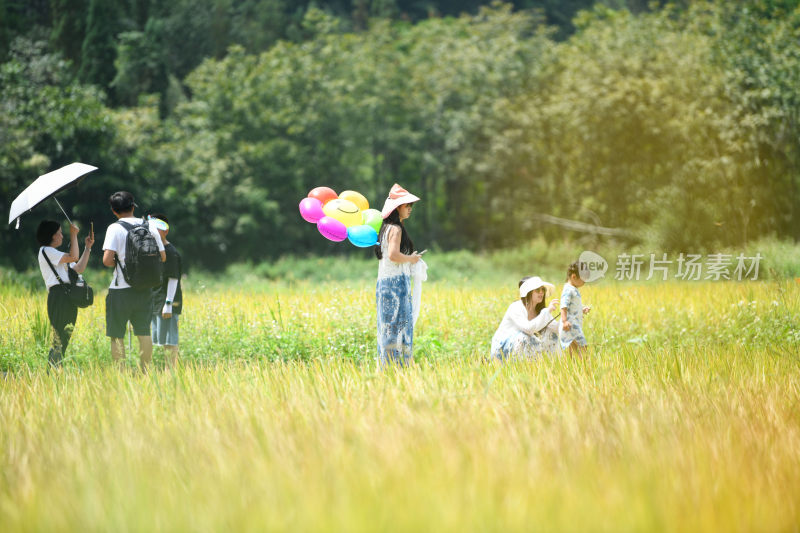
pixel 678 124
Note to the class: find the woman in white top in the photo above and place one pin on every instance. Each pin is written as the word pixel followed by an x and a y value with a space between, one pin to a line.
pixel 60 309
pixel 528 328
pixel 395 253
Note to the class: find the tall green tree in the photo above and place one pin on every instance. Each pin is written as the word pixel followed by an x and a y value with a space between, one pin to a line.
pixel 140 67
pixel 4 31
pixel 259 24
pixel 69 27
pixel 99 50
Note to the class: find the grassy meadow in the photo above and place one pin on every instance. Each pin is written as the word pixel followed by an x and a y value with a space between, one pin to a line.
pixel 684 417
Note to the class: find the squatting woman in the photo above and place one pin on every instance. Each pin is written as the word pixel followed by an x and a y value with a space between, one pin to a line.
pixel 529 327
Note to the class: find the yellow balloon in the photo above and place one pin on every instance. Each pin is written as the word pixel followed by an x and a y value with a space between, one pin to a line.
pixel 355 197
pixel 344 211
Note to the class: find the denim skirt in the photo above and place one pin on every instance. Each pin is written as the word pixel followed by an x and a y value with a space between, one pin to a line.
pixel 395 320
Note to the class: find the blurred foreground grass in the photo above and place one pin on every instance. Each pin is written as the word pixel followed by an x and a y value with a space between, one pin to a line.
pixel 699 439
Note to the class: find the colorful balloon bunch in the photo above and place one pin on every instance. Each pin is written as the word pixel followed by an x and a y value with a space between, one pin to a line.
pixel 342 216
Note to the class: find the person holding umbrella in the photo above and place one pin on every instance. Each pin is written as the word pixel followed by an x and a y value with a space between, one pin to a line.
pixel 61 311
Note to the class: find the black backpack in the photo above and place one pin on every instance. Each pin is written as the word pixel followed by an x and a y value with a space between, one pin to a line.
pixel 143 267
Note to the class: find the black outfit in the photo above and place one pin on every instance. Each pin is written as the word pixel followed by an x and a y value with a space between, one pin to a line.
pixel 62 314
pixel 173 268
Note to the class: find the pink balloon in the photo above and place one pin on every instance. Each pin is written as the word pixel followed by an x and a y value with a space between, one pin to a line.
pixel 311 209
pixel 332 229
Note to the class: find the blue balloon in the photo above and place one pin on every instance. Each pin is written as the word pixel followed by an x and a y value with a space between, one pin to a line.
pixel 362 236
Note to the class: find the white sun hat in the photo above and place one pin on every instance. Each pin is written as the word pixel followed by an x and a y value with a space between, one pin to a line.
pixel 397 197
pixel 534 283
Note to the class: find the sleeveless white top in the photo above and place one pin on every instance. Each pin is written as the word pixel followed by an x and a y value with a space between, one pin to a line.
pixel 388 268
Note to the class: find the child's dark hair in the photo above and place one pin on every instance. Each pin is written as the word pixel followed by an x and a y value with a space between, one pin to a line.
pixel 160 216
pixel 46 230
pixel 573 268
pixel 406 245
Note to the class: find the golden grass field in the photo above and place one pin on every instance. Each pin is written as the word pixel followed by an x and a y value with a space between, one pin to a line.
pixel 684 417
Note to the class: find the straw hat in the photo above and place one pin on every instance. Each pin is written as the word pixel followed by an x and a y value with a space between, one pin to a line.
pixel 534 283
pixel 397 197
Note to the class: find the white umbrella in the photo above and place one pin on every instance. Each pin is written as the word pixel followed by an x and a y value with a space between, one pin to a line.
pixel 46 186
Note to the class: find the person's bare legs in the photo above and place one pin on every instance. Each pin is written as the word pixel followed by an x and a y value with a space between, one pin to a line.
pixel 118 352
pixel 171 355
pixel 145 351
pixel 576 350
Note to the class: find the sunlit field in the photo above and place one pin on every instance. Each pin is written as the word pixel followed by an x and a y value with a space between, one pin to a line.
pixel 685 416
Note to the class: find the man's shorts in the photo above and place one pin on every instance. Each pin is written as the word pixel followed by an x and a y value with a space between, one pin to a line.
pixel 128 305
pixel 165 330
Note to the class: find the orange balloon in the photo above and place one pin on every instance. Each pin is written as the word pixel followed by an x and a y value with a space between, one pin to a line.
pixel 323 194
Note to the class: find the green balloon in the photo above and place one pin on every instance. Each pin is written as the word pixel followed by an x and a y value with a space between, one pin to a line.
pixel 373 218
